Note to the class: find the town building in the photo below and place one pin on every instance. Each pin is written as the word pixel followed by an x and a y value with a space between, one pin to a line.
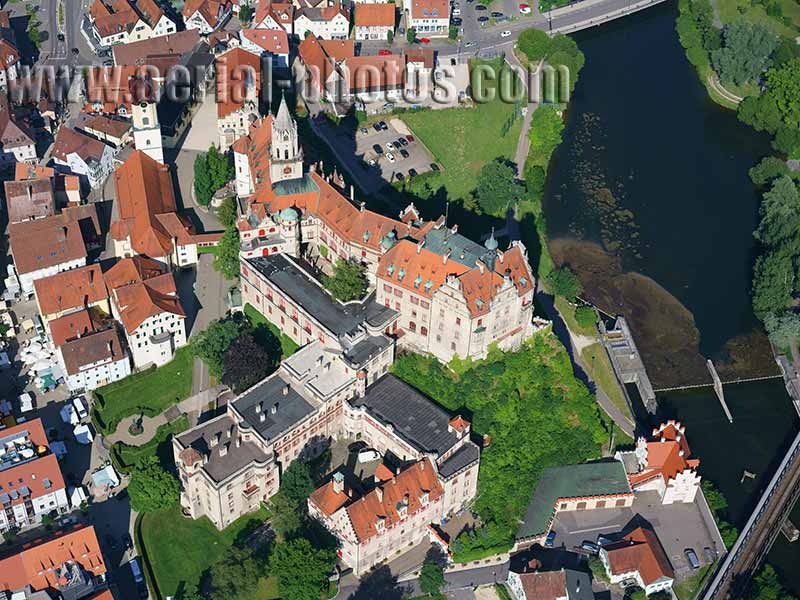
pixel 175 44
pixel 273 43
pixel 44 247
pixel 29 199
pixel 589 486
pixel 17 139
pixel 83 155
pixel 9 53
pixel 564 584
pixel 374 21
pixel 322 61
pixel 640 557
pixel 112 130
pixel 148 222
pixel 32 484
pixel 145 300
pixel 123 21
pixel 144 114
pixel 66 564
pixel 428 18
pixel 327 22
pixel 71 291
pixel 274 15
pixel 66 188
pixel 238 88
pixel 206 15
pixel 664 465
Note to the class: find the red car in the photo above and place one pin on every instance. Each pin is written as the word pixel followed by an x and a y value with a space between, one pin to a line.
pixel 424 40
pixel 410 138
pixel 384 52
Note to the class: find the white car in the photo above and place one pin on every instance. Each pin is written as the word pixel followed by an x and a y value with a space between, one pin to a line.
pixel 469 44
pixel 26 402
pixel 68 415
pixel 456 12
pixel 505 34
pixel 390 157
pixel 80 407
pixel 390 145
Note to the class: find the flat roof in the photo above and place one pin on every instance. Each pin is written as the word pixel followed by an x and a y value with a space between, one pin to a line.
pixel 597 478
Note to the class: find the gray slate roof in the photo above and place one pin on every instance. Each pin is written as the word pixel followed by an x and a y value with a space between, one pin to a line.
pixel 289 407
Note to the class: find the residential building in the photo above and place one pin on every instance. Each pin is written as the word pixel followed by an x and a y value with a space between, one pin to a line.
pixel 29 199
pixel 71 291
pixel 206 15
pixel 238 88
pixel 564 584
pixel 589 486
pixel 374 21
pixel 274 15
pixel 32 484
pixel 66 564
pixel 639 556
pixel 664 464
pixel 148 223
pixel 328 22
pixel 44 247
pixel 123 21
pixel 145 300
pixel 89 350
pixel 428 18
pixel 273 43
pixel 112 130
pixel 175 44
pixel 9 53
pixel 321 60
pixel 17 139
pixel 83 155
pixel 66 188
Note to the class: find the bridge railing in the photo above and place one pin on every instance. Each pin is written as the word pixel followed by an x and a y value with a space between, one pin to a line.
pixel 733 556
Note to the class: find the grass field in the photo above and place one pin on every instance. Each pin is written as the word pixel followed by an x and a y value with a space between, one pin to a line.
pixel 181 549
pixel 599 368
pixel 288 346
pixel 567 312
pixel 149 392
pixel 462 140
pixel 730 10
pixel 688 588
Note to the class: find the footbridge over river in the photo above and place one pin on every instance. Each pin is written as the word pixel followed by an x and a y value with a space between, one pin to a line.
pixel 590 13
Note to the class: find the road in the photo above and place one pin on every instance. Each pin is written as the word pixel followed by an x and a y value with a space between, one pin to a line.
pixel 56 52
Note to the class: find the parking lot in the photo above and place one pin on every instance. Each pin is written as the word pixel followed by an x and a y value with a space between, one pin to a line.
pixel 402 167
pixel 678 526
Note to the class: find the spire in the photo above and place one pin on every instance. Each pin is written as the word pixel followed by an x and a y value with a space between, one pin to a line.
pixel 283 120
pixel 491 243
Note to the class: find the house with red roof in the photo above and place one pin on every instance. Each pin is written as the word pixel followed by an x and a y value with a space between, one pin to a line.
pixel 374 21
pixel 238 73
pixel 17 139
pixel 664 464
pixel 273 43
pixel 639 556
pixel 564 584
pixel 32 484
pixel 122 21
pixel 65 564
pixel 9 53
pixel 428 18
pixel 206 15
pixel 274 15
pixel 328 21
pixel 83 155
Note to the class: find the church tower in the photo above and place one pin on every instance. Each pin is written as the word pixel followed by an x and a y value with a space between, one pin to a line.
pixel 286 155
pixel 146 129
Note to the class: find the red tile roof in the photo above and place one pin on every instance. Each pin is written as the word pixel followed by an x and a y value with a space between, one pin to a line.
pixel 639 551
pixel 70 140
pixel 373 73
pixel 70 326
pixel 425 9
pixel 375 15
pixel 320 56
pixel 174 44
pixel 141 289
pixel 238 71
pixel 29 199
pixel 275 41
pixel 37 565
pixel 210 10
pixel 70 289
pixel 46 242
pixel 550 585
pixel 115 16
pixel 13 133
pixel 327 500
pixel 281 12
pixel 424 264
pixel 92 348
pixel 667 456
pixel 133 270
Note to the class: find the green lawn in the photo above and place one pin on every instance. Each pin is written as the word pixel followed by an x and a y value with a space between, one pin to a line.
pixel 601 371
pixel 688 588
pixel 149 392
pixel 288 346
pixel 181 549
pixel 462 140
pixel 125 456
pixel 730 10
pixel 567 312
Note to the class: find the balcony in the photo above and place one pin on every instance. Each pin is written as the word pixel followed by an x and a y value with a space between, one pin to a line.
pixel 249 491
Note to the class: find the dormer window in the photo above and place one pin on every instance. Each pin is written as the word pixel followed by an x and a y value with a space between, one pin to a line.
pixel 523 281
pixel 428 285
pixel 390 269
pixel 435 12
pixel 380 524
pixel 424 12
pixel 417 281
pixel 424 498
pixel 400 274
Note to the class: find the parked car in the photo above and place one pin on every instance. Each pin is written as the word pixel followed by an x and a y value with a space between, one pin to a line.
pixel 80 407
pixel 480 7
pixel 590 547
pixel 373 162
pixel 401 141
pixel 550 540
pixel 483 19
pixel 388 106
pixel 456 21
pixel 505 34
pixel 383 125
pixel 456 12
pixel 603 540
pixel 127 542
pixel 108 63
pixel 26 402
pixel 691 557
pixel 524 9
pixel 496 14
pixel 434 167
pixel 399 176
pixel 136 571
pixel 410 138
pixel 376 126
pixel 377 148
pixel 469 44
pixel 364 130
pixel 75 51
pixel 412 173
pixel 424 41
pixel 390 145
pixel 60 37
pixel 384 52
pixel 390 157
pixel 403 152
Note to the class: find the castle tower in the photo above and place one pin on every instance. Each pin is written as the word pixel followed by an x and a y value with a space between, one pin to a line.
pixel 146 129
pixel 286 155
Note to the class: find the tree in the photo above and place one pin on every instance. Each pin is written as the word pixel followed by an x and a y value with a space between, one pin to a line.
pixel 202 181
pixel 389 36
pixel 783 85
pixel 544 134
pixel 498 188
pixel 787 140
pixel 34 35
pixel 783 329
pixel 767 586
pixel 786 50
pixel 302 570
pixel 773 278
pixel 780 214
pixel 348 281
pixel 534 44
pixel 220 168
pixel 212 343
pixel 235 576
pixel 760 112
pixel 227 212
pixel 563 282
pixel 296 483
pixel 246 363
pixel 226 259
pixel 431 579
pixel 767 170
pixel 286 516
pixel 152 487
pixel 535 177
pixel 245 14
pixel 745 52
pixel 411 35
pixel 585 316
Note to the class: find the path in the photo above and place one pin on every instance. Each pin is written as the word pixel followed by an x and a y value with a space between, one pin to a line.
pixel 149 427
pixel 717 87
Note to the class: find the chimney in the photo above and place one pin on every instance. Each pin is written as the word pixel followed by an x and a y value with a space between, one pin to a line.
pixel 285 390
pixel 238 441
pixel 230 432
pixel 259 407
pixel 111 348
pixel 422 465
pixel 480 265
pixel 663 439
pixel 420 244
pixel 338 483
pixel 454 229
pixel 274 408
pixel 361 205
pixel 681 453
pixel 446 255
pixel 262 417
pixel 223 449
pixel 352 192
pixel 379 493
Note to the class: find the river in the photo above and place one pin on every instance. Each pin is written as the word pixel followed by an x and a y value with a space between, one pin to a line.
pixel 649 201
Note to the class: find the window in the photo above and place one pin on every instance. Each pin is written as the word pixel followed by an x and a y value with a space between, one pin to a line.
pixel 412 326
pixel 423 330
pixel 458 320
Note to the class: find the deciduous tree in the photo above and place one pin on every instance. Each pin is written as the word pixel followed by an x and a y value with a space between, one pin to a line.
pixel 745 52
pixel 767 170
pixel 564 282
pixel 780 214
pixel 226 259
pixel 348 282
pixel 202 181
pixel 783 329
pixel 431 578
pixel 773 279
pixel 783 86
pixel 212 343
pixel 151 487
pixel 498 188
pixel 245 363
pixel 302 570
pixel 236 576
